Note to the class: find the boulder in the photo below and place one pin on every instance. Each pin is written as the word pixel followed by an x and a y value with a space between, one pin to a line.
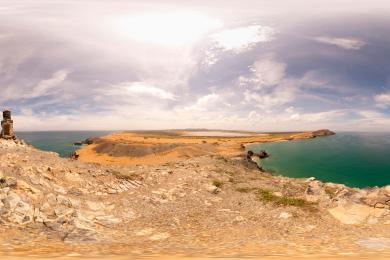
pixel 354 213
pixel 386 190
pixel 263 154
pixel 285 215
pixel 10 182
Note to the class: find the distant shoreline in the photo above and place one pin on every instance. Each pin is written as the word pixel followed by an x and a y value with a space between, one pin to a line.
pixel 158 147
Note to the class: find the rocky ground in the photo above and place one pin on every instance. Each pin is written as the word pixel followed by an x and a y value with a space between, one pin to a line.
pixel 209 205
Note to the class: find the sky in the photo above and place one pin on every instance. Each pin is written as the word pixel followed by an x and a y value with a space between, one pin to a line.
pixel 246 65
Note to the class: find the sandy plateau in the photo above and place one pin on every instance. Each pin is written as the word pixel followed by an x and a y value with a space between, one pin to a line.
pixel 173 194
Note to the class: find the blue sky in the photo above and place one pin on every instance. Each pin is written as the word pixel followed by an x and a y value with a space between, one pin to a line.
pixel 254 65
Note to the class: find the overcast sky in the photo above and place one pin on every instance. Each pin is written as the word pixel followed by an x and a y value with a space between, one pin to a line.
pixel 255 65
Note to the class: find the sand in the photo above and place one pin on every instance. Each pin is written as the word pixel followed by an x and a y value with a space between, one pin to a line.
pixel 159 147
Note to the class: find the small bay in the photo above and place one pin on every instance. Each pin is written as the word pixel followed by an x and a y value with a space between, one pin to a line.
pixel 61 142
pixel 353 159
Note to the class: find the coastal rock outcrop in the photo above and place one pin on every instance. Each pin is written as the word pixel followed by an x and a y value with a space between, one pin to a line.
pixel 322 132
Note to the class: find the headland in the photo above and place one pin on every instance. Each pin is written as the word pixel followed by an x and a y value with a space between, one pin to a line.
pixel 157 147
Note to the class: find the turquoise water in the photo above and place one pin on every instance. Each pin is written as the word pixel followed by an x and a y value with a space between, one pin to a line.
pixel 354 159
pixel 60 142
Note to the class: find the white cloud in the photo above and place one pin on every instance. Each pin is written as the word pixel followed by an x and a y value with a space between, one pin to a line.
pixel 169 29
pixel 267 72
pixel 269 101
pixel 242 38
pixel 5 36
pixel 382 100
pixel 205 102
pixel 267 87
pixel 345 43
pixel 237 40
pixel 45 86
pixel 139 89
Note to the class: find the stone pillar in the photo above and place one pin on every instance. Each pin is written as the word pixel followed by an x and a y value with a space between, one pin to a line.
pixel 7 126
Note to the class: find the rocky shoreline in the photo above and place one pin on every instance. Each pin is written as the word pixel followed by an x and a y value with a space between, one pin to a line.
pixel 213 205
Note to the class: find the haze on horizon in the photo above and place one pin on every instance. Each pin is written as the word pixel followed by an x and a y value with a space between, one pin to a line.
pixel 251 65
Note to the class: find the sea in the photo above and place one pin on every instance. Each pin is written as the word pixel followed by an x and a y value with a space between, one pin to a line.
pixel 61 142
pixel 354 159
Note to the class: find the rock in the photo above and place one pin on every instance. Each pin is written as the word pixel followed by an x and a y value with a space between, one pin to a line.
pixel 108 220
pixel 238 219
pixel 354 213
pixel 22 213
pixel 285 215
pixel 386 190
pixel 213 189
pixel 95 206
pixel 80 235
pixel 372 220
pixel 10 182
pixel 249 155
pixel 63 211
pixel 374 242
pixel 1 207
pixel 323 132
pixel 12 200
pixel 144 232
pixel 310 179
pixel 263 154
pixel 277 194
pixel 51 199
pixel 46 207
pixel 315 188
pixel 24 186
pixel 315 191
pixel 376 197
pixel 159 236
pixel 62 200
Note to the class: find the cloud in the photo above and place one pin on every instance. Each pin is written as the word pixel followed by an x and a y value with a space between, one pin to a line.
pixel 237 40
pixel 45 86
pixel 242 38
pixel 139 89
pixel 382 100
pixel 267 86
pixel 271 100
pixel 142 65
pixel 169 29
pixel 345 43
pixel 265 72
pixel 5 36
pixel 205 102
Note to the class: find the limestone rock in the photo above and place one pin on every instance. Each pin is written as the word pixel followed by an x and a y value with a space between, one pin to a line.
pixel 10 182
pixel 212 189
pixel 109 220
pixel 159 236
pixel 285 215
pixel 353 213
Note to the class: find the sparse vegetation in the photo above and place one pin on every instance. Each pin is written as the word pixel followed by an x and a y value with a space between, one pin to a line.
pixel 245 189
pixel 331 192
pixel 126 176
pixel 268 196
pixel 218 183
